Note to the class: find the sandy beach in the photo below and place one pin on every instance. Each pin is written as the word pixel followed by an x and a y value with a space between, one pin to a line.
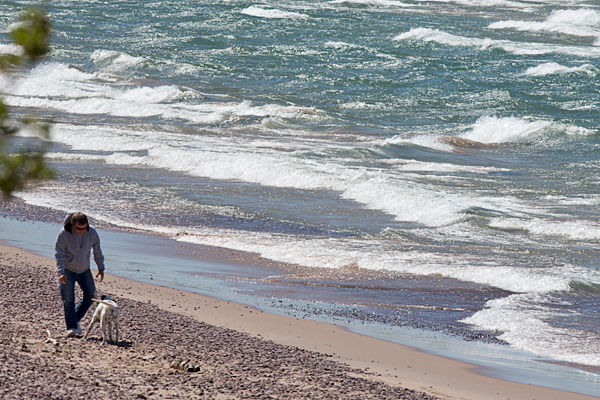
pixel 238 351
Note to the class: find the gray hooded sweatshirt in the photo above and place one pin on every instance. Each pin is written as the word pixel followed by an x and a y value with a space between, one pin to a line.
pixel 72 251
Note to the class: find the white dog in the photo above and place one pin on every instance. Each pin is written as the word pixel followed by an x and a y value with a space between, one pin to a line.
pixel 107 314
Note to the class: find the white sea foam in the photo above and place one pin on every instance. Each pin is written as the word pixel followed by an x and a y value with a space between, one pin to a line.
pixel 520 5
pixel 553 68
pixel 424 140
pixel 571 230
pixel 522 319
pixel 272 13
pixel 392 191
pixel 341 45
pixel 487 130
pixel 74 156
pixel 580 22
pixel 504 130
pixel 58 80
pixel 579 131
pixel 575 200
pixel 490 130
pixel 12 49
pixel 414 165
pixel 161 94
pixel 361 105
pixel 408 201
pixel 114 61
pixel 337 253
pixel 103 139
pixel 376 3
pixel 58 87
pixel 519 48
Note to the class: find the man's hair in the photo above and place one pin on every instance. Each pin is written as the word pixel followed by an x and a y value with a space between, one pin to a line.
pixel 79 218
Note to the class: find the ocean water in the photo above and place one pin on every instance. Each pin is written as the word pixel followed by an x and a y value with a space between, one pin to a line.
pixel 428 161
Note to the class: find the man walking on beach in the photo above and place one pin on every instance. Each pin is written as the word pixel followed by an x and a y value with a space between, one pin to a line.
pixel 72 253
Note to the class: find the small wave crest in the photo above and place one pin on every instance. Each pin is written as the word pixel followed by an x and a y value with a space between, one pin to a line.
pixel 572 230
pixel 11 49
pixel 523 319
pixel 579 286
pixel 489 131
pixel 374 3
pixel 581 22
pixel 428 35
pixel 553 68
pixel 115 61
pixel 160 94
pixel 69 89
pixel 272 13
pixel 503 130
pixel 492 3
pixel 496 130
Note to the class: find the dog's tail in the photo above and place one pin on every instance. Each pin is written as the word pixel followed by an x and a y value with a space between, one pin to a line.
pixel 108 303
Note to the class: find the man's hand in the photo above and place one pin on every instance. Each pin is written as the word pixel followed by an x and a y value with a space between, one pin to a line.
pixel 100 274
pixel 63 279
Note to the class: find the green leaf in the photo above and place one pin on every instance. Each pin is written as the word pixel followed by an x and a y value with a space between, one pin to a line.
pixel 18 170
pixel 32 33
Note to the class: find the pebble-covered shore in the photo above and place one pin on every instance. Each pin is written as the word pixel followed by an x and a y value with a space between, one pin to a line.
pixel 227 364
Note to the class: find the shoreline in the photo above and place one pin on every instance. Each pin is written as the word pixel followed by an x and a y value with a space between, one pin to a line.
pixel 222 263
pixel 390 363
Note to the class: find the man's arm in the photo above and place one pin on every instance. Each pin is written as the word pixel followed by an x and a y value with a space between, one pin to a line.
pixel 98 256
pixel 60 250
pixel 59 254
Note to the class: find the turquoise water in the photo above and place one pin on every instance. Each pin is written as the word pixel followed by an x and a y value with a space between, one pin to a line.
pixel 443 152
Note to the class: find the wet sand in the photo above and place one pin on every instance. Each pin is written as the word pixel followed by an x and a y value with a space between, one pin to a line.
pixel 239 351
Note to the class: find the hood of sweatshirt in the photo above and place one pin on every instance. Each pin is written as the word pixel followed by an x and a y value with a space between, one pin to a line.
pixel 67 223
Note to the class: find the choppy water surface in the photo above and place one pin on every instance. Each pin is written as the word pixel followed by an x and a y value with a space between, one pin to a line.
pixel 451 146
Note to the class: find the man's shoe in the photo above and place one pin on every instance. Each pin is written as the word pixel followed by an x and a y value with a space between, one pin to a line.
pixel 78 330
pixel 71 332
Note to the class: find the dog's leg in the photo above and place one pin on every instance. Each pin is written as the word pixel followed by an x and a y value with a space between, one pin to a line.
pixel 117 328
pixel 110 329
pixel 103 323
pixel 92 322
